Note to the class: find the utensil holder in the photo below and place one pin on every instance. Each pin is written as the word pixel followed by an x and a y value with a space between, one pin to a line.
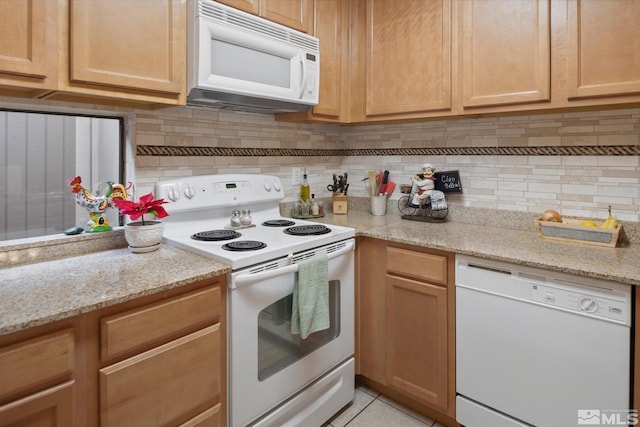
pixel 379 205
pixel 339 204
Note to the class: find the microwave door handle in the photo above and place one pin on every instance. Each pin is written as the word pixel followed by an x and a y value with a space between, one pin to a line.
pixel 249 279
pixel 303 80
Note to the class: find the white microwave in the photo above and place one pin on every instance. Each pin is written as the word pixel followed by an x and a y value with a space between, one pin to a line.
pixel 239 61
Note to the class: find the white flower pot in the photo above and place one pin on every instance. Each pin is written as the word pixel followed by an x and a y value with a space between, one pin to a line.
pixel 144 238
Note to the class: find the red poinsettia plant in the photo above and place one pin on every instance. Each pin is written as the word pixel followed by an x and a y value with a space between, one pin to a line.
pixel 146 205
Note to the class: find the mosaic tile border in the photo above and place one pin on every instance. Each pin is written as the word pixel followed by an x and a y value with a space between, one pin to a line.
pixel 580 150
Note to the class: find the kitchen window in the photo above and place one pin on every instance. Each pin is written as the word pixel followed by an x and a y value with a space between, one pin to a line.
pixel 40 153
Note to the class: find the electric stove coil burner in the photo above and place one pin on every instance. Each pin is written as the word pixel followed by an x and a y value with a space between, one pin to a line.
pixel 307 230
pixel 278 223
pixel 244 245
pixel 215 235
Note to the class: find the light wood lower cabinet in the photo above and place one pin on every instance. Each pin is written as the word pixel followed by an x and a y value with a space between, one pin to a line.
pixel 405 329
pixel 417 354
pixel 52 407
pixel 160 386
pixel 158 360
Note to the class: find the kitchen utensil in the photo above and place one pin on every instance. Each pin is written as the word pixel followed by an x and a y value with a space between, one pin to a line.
pixel 391 186
pixel 372 183
pixel 383 184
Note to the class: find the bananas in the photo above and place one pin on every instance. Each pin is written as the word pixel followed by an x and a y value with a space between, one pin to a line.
pixel 610 222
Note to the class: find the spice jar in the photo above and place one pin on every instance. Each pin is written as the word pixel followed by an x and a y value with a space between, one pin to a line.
pixel 236 219
pixel 245 219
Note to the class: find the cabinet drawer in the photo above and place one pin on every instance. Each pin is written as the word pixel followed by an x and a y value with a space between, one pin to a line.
pixel 212 417
pixel 37 361
pixel 50 407
pixel 164 384
pixel 143 327
pixel 424 266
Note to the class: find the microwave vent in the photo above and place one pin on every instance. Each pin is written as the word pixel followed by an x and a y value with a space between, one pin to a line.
pixel 238 19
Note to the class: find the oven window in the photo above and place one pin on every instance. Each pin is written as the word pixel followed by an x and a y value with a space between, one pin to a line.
pixel 278 347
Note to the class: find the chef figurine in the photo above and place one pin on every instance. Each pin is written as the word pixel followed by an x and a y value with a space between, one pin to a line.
pixel 426 184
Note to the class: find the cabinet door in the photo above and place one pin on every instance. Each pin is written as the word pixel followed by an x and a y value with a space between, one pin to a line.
pixel 28 52
pixel 371 300
pixel 408 56
pixel 129 44
pixel 249 6
pixel 52 407
pixel 603 48
pixel 417 348
pixel 506 52
pixel 171 382
pixel 296 14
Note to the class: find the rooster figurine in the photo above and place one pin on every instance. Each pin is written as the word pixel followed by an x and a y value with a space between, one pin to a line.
pixel 97 205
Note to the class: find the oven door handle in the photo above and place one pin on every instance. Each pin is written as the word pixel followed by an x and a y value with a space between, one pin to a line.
pixel 248 279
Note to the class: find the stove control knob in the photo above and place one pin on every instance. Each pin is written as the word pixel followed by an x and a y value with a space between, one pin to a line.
pixel 267 185
pixel 276 185
pixel 190 192
pixel 173 194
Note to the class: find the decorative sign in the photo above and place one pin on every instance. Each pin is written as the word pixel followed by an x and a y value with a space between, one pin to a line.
pixel 448 181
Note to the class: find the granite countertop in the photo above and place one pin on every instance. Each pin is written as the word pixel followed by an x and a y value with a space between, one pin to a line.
pixel 515 240
pixel 56 278
pixel 37 293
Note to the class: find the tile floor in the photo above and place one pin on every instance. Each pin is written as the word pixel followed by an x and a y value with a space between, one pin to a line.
pixel 371 409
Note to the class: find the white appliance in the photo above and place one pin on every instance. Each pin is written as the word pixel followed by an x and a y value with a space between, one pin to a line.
pixel 239 61
pixel 539 348
pixel 275 377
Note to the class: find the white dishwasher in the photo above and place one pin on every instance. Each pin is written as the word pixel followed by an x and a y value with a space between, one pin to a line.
pixel 539 348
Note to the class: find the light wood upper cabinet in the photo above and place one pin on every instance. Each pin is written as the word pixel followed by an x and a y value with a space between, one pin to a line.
pixel 602 48
pixel 94 51
pixel 296 14
pixel 407 57
pixel 506 52
pixel 28 51
pixel 249 6
pixel 332 29
pixel 130 44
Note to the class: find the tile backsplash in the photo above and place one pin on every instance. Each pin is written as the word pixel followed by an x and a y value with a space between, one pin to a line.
pixel 579 184
pixel 506 162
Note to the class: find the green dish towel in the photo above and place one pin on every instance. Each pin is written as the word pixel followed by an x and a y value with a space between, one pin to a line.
pixel 310 308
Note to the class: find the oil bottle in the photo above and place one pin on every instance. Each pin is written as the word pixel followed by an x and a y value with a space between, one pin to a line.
pixel 305 191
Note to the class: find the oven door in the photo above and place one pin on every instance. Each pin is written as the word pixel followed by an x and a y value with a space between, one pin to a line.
pixel 268 364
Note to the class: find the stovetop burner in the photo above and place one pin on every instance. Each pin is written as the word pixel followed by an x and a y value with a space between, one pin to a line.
pixel 308 230
pixel 215 235
pixel 278 223
pixel 244 245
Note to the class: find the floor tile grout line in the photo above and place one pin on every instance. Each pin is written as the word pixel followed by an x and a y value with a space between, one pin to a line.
pixel 362 410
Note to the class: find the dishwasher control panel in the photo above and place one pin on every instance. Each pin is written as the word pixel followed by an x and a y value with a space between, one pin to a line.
pixel 596 305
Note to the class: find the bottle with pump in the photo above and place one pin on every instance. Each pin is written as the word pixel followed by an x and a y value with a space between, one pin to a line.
pixel 305 190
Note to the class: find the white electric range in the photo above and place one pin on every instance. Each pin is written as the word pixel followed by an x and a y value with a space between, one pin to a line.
pixel 275 377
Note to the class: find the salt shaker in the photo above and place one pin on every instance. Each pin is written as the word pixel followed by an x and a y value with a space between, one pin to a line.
pixel 245 219
pixel 236 220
